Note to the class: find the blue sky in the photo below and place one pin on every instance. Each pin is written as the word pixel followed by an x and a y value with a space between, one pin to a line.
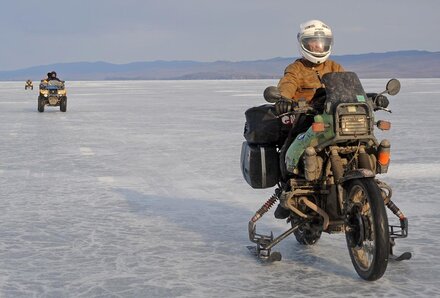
pixel 43 32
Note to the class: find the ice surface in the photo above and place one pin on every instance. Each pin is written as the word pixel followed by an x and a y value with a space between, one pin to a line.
pixel 136 191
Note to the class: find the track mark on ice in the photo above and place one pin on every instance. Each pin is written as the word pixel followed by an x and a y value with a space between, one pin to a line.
pixel 247 95
pixel 107 179
pixel 407 170
pixel 86 151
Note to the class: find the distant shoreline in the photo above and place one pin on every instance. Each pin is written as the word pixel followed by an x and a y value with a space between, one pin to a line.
pixel 401 64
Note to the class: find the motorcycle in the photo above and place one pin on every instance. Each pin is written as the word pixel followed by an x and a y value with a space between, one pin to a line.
pixel 325 173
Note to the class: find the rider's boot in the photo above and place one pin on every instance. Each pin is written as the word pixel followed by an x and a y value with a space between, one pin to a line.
pixel 281 212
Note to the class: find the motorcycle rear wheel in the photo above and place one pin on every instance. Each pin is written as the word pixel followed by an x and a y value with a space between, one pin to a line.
pixel 367 233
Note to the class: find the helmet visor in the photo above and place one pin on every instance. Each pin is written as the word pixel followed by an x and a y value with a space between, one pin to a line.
pixel 318 46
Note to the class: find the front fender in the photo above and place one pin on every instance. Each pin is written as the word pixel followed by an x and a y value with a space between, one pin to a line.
pixel 357 174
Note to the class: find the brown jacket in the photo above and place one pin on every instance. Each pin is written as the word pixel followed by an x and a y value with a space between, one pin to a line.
pixel 302 78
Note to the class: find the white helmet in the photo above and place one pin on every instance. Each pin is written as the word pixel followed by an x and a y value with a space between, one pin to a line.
pixel 315 41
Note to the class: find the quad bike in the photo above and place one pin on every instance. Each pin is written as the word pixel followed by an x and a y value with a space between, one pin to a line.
pixel 52 93
pixel 325 173
pixel 28 85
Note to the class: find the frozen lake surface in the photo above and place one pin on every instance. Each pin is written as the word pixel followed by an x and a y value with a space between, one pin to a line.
pixel 136 191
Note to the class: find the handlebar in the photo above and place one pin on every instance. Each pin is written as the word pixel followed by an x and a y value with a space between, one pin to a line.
pixel 300 110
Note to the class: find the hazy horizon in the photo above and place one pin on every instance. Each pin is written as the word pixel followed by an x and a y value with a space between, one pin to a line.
pixel 213 61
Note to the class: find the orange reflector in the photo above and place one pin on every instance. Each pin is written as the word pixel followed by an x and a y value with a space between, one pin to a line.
pixel 383 125
pixel 384 157
pixel 318 126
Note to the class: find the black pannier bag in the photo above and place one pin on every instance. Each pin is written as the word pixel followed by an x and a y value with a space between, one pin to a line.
pixel 260 165
pixel 262 126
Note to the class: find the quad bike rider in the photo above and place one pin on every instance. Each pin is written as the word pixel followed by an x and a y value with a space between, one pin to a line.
pixel 29 85
pixel 52 93
pixel 323 157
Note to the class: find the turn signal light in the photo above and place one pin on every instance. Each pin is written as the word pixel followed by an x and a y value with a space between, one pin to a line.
pixel 384 157
pixel 383 125
pixel 318 126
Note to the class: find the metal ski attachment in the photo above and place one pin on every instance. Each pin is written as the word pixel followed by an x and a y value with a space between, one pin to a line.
pixel 266 242
pixel 400 231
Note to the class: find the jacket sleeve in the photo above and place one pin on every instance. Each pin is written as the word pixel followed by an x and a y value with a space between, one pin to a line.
pixel 289 83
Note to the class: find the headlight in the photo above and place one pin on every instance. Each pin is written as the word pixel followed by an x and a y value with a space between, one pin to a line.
pixel 353 124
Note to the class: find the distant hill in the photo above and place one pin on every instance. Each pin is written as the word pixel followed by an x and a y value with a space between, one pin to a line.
pixel 401 64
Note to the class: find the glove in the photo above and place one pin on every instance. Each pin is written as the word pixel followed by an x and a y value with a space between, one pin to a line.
pixel 381 101
pixel 284 106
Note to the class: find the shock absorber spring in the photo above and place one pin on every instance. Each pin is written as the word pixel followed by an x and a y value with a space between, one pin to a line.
pixel 390 204
pixel 386 194
pixel 266 206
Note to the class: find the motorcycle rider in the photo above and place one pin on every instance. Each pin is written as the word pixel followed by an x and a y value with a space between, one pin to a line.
pixel 302 79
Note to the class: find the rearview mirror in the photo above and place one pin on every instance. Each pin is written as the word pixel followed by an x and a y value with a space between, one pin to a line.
pixel 272 94
pixel 393 87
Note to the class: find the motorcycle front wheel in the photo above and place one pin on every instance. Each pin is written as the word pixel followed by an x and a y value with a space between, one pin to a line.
pixel 367 231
